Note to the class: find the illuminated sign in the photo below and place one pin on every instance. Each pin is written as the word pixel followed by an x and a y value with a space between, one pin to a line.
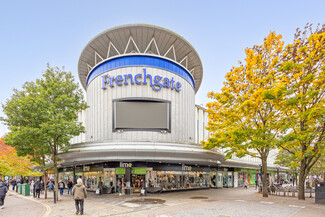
pixel 156 82
pixel 125 164
pixel 186 168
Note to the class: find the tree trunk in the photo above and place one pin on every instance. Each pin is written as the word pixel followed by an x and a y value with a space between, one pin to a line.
pixel 264 174
pixel 302 178
pixel 55 176
pixel 44 181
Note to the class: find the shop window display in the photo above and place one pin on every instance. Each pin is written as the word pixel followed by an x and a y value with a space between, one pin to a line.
pixel 65 177
pixel 151 180
pixel 171 180
pixel 109 180
pixel 91 180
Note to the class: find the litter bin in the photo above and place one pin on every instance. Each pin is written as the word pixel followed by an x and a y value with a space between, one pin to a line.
pixel 128 191
pixel 19 188
pixel 320 192
pixel 25 189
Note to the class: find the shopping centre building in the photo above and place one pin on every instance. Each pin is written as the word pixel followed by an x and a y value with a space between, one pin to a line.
pixel 142 122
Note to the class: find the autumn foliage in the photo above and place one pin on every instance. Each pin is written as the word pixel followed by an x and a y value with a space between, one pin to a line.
pixel 11 164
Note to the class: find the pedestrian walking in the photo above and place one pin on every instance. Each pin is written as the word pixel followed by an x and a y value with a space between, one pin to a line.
pixel 14 183
pixel 32 189
pixel 119 187
pixel 100 185
pixel 51 186
pixel 143 188
pixel 79 194
pixel 3 192
pixel 37 187
pixel 70 184
pixel 61 186
pixel 246 185
pixel 256 184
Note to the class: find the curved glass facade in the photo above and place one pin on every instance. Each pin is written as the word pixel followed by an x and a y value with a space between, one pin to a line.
pixel 140 60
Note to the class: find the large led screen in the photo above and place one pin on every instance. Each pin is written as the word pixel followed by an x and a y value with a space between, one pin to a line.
pixel 141 115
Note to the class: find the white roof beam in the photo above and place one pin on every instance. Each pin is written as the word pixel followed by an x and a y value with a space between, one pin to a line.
pixel 171 49
pixel 97 55
pixel 152 41
pixel 109 49
pixel 186 59
pixel 135 45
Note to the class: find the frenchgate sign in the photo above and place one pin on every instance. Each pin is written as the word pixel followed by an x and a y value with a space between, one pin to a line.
pixel 156 82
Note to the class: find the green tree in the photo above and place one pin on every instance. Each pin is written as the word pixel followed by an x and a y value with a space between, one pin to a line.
pixel 243 117
pixel 303 105
pixel 43 116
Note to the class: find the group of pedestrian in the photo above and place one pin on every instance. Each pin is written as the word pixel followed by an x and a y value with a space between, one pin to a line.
pixel 15 183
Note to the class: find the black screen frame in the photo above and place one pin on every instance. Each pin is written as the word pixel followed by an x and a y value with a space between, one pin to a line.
pixel 140 99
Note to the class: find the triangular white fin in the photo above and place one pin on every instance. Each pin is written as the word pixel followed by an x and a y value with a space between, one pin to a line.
pixel 110 50
pixel 171 49
pixel 134 44
pixel 154 42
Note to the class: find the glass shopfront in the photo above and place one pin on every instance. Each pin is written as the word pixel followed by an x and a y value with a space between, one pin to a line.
pixel 66 176
pixel 241 179
pixel 109 180
pixel 158 178
pixel 213 179
pixel 171 180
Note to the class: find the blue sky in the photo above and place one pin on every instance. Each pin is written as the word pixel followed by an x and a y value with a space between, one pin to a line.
pixel 34 33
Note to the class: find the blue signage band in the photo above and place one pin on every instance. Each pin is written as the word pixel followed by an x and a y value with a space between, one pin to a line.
pixel 139 60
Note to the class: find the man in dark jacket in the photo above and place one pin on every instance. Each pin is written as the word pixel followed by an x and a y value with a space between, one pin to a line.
pixel 14 184
pixel 79 194
pixel 70 185
pixel 3 192
pixel 37 187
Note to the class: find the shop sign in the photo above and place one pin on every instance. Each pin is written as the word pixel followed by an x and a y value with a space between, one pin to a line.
pixel 156 82
pixel 125 165
pixel 186 168
pixel 139 171
pixel 109 169
pixel 120 171
pixel 86 168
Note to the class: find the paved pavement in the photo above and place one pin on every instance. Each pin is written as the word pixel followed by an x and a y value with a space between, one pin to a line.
pixel 231 202
pixel 18 206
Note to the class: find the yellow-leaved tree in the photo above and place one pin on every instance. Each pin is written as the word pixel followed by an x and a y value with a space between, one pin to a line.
pixel 243 116
pixel 303 105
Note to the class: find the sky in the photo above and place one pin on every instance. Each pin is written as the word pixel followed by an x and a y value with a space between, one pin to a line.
pixel 34 33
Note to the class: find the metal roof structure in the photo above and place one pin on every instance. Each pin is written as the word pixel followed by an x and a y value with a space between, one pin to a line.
pixel 140 39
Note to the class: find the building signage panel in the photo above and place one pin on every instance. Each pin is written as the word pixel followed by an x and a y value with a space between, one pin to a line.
pixel 122 164
pixel 156 82
pixel 139 171
pixel 120 171
pixel 186 168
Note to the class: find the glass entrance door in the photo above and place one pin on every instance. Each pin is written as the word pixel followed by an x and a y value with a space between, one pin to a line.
pixel 136 182
pixel 225 180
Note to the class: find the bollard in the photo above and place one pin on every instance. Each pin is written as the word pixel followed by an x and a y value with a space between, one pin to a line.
pixel 54 196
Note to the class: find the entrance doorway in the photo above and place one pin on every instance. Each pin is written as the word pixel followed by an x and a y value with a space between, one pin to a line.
pixel 136 182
